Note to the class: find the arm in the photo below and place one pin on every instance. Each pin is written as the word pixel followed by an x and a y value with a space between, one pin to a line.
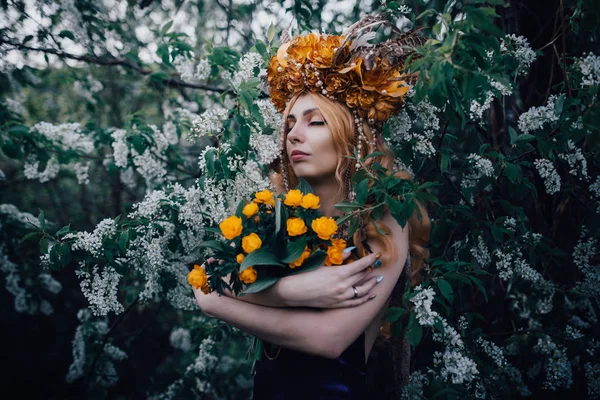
pixel 323 332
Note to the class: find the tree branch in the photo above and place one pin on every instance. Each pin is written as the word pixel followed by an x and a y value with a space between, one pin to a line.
pixel 112 61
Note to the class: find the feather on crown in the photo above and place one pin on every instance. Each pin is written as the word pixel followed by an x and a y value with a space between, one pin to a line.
pixel 367 78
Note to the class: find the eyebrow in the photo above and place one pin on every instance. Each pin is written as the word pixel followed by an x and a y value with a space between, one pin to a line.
pixel 306 112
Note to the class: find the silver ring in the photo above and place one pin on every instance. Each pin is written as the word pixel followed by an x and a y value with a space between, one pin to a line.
pixel 355 292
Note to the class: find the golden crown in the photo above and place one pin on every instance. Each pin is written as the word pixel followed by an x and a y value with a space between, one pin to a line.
pixel 368 78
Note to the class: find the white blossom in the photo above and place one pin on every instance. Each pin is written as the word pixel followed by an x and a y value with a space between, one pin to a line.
pixel 14 106
pixel 92 242
pixel 535 118
pixel 192 72
pixel 114 353
pixel 520 49
pixel 481 253
pixel 456 366
pixel 82 172
pixel 576 160
pixel 592 375
pixel 181 339
pixel 31 169
pixel 557 365
pixel 479 168
pixel 209 122
pixel 100 289
pixel 270 114
pixel 66 136
pixel 120 148
pixel 589 66
pixel 245 70
pixel 549 174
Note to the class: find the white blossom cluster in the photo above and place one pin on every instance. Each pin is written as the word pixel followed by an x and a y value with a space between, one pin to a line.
pixel 479 168
pixel 32 165
pixel 493 351
pixel 481 253
pixel 557 365
pixel 209 122
pixel 589 66
pixel 17 217
pixel 583 254
pixel 204 364
pixel 82 172
pixel 426 120
pixel 477 108
pixel 150 167
pixel 549 174
pixel 66 136
pixel 88 89
pixel 92 242
pixel 515 376
pixel 577 162
pixel 414 389
pixel 100 288
pixel 521 50
pixel 510 223
pixel 120 147
pixel 190 71
pixel 180 338
pixel 595 192
pixel 592 375
pixel 455 364
pixel 14 106
pixel 535 118
pixel 245 70
pixel 265 146
pixel 270 114
pixel 572 333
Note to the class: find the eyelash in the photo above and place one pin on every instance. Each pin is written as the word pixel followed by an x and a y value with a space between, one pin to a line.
pixel 317 123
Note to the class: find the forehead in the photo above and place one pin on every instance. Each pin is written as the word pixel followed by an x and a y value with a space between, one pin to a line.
pixel 302 104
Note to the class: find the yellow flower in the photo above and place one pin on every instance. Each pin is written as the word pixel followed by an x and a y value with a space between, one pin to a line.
pixel 324 227
pixel 334 256
pixel 264 197
pixel 310 201
pixel 231 227
pixel 305 254
pixel 251 242
pixel 293 198
pixel 296 226
pixel 250 209
pixel 240 258
pixel 197 277
pixel 248 275
pixel 338 243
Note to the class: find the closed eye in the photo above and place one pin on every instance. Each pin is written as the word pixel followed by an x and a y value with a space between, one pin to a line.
pixel 317 123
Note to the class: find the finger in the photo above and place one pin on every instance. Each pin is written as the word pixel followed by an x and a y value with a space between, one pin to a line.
pixel 353 302
pixel 367 286
pixel 211 259
pixel 361 264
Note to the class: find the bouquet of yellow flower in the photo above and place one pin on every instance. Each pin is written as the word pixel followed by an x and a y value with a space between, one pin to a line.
pixel 268 238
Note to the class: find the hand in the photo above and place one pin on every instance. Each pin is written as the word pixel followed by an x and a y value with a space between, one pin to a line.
pixel 331 287
pixel 203 300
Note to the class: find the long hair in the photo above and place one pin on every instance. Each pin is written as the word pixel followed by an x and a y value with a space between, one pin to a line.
pixel 342 126
pixel 389 363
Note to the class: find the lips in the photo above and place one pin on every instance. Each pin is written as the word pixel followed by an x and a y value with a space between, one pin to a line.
pixel 298 155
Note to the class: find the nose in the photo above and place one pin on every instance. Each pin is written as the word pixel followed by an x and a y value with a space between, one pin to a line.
pixel 296 134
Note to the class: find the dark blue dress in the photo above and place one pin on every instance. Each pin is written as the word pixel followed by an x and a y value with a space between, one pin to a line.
pixel 297 375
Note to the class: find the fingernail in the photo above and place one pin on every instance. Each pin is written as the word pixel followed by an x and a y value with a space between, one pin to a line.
pixel 348 249
pixel 377 263
pixel 372 297
pixel 379 279
pixel 378 256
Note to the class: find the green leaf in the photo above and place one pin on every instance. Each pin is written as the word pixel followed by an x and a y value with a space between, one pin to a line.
pixel 414 331
pixel 347 205
pixel 166 27
pixel 123 239
pixel 362 191
pixel 446 290
pixel 374 154
pixel 66 34
pixel 353 226
pixel 260 284
pixel 294 250
pixel 18 130
pixel 262 256
pixel 271 32
pixel 393 314
pixel 558 106
pixel 304 186
pixel 44 245
pixel 29 236
pixel 11 149
pixel 139 143
pixel 64 253
pixel 513 135
pixel 42 220
pixel 479 284
pixel 513 172
pixel 64 230
pixel 261 48
pixel 525 138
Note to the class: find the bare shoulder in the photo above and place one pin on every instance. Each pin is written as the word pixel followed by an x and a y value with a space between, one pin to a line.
pixel 399 233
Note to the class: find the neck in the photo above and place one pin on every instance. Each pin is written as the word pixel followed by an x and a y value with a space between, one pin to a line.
pixel 327 190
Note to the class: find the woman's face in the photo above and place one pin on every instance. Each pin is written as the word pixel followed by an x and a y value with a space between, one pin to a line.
pixel 310 146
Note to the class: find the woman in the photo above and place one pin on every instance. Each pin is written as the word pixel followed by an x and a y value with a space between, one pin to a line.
pixel 325 322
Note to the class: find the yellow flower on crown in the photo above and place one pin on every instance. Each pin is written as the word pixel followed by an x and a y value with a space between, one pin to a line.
pixel 248 275
pixel 231 227
pixel 324 227
pixel 293 198
pixel 251 242
pixel 250 209
pixel 310 201
pixel 264 197
pixel 332 64
pixel 296 226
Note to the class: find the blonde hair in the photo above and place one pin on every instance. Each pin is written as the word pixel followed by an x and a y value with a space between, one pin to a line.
pixel 341 123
